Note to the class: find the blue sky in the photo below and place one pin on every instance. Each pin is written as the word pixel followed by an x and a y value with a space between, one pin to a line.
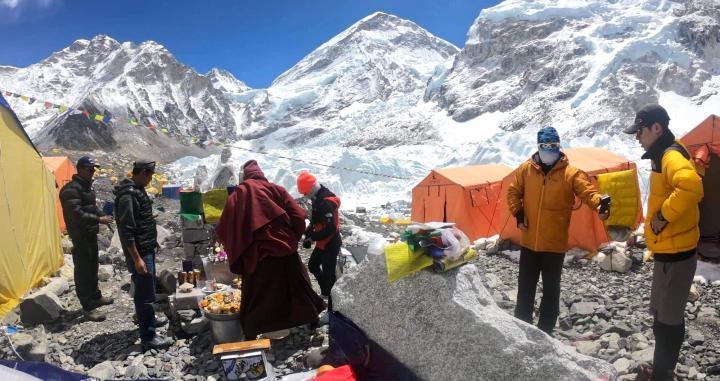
pixel 254 40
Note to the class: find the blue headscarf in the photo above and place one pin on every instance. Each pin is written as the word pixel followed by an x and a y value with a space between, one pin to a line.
pixel 549 135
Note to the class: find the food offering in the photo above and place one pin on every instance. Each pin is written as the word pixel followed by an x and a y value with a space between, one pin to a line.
pixel 222 303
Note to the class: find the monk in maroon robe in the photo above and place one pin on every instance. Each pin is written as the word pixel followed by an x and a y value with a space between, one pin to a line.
pixel 260 228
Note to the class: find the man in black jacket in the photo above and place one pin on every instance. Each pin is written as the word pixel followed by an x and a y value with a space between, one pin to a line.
pixel 138 236
pixel 83 217
pixel 324 230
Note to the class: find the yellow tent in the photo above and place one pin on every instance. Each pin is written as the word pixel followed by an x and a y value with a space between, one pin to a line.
pixel 29 228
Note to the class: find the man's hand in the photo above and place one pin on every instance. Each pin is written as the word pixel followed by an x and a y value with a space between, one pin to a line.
pixel 522 225
pixel 140 266
pixel 658 223
pixel 105 219
pixel 603 215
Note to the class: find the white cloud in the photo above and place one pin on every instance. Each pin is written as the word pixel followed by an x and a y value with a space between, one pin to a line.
pixel 9 3
pixel 12 4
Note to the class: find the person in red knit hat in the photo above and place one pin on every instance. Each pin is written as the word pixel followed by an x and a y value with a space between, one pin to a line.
pixel 324 230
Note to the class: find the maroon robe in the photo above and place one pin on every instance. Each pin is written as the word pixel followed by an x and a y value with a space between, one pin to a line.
pixel 260 228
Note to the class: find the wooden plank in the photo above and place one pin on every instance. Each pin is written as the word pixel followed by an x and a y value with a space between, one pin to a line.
pixel 241 346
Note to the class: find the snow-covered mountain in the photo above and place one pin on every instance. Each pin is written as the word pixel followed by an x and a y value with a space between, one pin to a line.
pixel 144 82
pixel 357 89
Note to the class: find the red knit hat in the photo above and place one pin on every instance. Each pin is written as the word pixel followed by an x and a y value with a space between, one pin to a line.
pixel 305 182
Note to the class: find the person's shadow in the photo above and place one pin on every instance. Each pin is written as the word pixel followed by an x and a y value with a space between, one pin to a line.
pixel 116 346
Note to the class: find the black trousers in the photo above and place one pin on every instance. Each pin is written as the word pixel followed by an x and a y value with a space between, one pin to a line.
pixel 85 260
pixel 532 264
pixel 322 264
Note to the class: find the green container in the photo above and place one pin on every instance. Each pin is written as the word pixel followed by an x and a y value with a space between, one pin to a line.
pixel 191 203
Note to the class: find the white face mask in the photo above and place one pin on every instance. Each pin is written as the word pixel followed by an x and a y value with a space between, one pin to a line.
pixel 548 157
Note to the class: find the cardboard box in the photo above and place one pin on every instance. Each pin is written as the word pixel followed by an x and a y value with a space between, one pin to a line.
pixel 195 235
pixel 192 249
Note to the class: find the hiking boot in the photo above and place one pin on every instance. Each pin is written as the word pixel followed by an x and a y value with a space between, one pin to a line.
pixel 94 315
pixel 105 301
pixel 157 342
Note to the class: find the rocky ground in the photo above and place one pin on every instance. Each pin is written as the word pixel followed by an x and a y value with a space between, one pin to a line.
pixel 603 314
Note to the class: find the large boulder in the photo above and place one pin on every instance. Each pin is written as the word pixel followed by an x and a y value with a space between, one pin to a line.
pixel 40 307
pixel 448 327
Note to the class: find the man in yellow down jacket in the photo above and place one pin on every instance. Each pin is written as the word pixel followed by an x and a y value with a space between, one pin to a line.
pixel 671 231
pixel 541 197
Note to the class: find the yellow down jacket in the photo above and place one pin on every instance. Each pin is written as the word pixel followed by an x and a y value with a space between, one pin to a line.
pixel 547 202
pixel 676 189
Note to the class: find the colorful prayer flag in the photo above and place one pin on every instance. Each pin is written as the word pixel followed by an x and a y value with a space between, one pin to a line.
pixel 48 104
pixel 7 94
pixel 31 100
pixel 16 95
pixel 63 108
pixel 86 113
pixel 165 130
pixel 151 126
pixel 23 97
pixel 56 106
pixel 133 122
pixel 99 117
pixel 106 119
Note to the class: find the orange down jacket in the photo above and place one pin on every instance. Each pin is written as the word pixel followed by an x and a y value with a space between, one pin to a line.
pixel 547 202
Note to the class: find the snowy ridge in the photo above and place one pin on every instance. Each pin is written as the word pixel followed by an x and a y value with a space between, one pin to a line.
pixel 126 80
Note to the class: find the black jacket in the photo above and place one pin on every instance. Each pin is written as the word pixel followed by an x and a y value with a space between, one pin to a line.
pixel 79 208
pixel 134 216
pixel 324 213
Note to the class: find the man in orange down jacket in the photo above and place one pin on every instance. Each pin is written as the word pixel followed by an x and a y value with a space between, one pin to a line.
pixel 671 232
pixel 541 197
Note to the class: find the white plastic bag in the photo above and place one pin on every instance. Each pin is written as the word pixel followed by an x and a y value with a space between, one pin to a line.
pixel 455 242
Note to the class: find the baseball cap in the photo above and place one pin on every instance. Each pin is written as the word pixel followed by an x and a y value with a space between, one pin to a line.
pixel 647 116
pixel 144 164
pixel 86 162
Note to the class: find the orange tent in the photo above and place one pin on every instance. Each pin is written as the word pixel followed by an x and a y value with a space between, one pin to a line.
pixel 63 170
pixel 586 230
pixel 469 196
pixel 703 142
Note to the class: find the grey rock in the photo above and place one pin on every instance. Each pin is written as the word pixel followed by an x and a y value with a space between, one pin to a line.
pixel 195 326
pixel 449 316
pixel 622 365
pixel 136 371
pixel 40 307
pixel 621 329
pixel 103 371
pixel 584 308
pixel 695 337
pixel 31 345
pixel 588 347
pixel 707 315
pixel 57 286
pixel 644 355
pixel 186 315
pixel 105 272
pixel 66 245
pixel 694 294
